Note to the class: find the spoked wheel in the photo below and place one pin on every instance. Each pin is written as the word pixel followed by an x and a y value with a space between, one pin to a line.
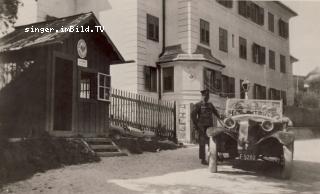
pixel 212 157
pixel 286 161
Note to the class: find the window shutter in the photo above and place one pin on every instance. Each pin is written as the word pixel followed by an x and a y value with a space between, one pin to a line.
pixel 231 86
pixel 255 87
pixel 224 83
pixel 242 92
pixel 286 26
pixel 248 8
pixel 242 8
pixel 157 32
pixel 264 92
pixel 206 81
pixel 146 78
pixel 261 16
pixel 279 26
pixel 253 47
pixel 218 80
pixel 269 94
pixel 262 55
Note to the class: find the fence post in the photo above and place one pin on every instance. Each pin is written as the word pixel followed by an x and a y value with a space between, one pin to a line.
pixel 175 139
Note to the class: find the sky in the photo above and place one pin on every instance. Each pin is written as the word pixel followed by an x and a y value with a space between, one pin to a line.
pixel 304 32
pixel 304 35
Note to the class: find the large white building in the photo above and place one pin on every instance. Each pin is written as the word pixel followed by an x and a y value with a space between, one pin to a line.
pixel 183 46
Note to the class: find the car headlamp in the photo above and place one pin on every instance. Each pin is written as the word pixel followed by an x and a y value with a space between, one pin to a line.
pixel 267 125
pixel 229 123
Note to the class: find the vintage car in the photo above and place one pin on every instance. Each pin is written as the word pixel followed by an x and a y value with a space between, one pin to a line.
pixel 253 130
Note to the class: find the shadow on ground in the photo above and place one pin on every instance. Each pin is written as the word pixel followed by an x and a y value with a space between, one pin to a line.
pixel 262 178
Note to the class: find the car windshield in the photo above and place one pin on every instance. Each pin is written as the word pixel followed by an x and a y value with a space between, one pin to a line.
pixel 267 108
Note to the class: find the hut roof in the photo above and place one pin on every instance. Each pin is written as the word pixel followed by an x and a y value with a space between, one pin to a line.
pixel 20 38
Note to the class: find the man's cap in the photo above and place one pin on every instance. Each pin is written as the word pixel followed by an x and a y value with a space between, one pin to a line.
pixel 204 92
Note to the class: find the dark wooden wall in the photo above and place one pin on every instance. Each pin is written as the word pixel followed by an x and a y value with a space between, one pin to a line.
pixel 22 101
pixel 90 116
pixel 26 104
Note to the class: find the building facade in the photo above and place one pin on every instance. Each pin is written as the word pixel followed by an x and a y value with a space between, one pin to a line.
pixel 180 47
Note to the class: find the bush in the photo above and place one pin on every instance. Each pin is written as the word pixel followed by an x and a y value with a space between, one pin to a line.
pixel 307 100
pixel 22 159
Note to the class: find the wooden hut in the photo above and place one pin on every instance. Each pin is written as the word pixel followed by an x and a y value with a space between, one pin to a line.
pixel 55 80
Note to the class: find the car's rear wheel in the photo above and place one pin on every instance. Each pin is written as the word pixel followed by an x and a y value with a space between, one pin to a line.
pixel 287 161
pixel 212 159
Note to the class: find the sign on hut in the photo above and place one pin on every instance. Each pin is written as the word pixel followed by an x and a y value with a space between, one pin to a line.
pixel 55 80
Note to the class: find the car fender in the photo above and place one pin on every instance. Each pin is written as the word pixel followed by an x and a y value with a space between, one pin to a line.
pixel 285 138
pixel 215 131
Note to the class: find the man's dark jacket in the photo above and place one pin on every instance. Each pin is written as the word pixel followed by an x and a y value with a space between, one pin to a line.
pixel 202 114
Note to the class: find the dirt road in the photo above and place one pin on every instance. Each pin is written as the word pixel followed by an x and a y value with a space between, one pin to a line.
pixel 174 172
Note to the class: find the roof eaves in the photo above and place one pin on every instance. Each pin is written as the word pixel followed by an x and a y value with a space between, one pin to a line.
pixel 286 8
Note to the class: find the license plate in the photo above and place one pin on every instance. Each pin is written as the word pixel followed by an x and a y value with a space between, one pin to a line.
pixel 245 156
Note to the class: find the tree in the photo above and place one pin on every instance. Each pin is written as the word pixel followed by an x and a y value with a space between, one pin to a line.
pixel 8 14
pixel 307 100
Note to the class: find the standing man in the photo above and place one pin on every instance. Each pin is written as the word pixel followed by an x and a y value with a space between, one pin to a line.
pixel 202 118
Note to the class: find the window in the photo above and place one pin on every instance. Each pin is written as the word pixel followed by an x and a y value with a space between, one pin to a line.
pixel 150 78
pixel 258 54
pixel 232 40
pixel 257 14
pixel 242 91
pixel 204 32
pixel 168 79
pixel 94 86
pixel 271 22
pixel 283 29
pixel 284 97
pixel 259 92
pixel 251 11
pixel 282 64
pixel 228 86
pixel 212 80
pixel 223 40
pixel 242 48
pixel 104 83
pixel 272 58
pixel 244 8
pixel 88 85
pixel 274 94
pixel 226 3
pixel 152 28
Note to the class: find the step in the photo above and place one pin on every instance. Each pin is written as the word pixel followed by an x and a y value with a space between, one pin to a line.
pixel 102 146
pixel 95 141
pixel 98 139
pixel 111 154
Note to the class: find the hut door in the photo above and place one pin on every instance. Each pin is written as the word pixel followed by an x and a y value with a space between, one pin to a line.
pixel 63 95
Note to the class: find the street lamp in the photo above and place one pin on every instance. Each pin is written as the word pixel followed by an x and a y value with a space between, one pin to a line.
pixel 246 86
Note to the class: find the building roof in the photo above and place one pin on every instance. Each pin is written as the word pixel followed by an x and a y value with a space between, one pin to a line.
pixel 286 8
pixel 20 38
pixel 293 59
pixel 175 53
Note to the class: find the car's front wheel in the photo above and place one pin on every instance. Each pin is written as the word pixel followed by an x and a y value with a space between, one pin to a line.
pixel 212 155
pixel 287 161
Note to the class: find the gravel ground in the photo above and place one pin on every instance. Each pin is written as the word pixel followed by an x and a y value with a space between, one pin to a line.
pixel 174 172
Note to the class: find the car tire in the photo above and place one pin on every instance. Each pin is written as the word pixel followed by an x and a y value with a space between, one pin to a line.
pixel 212 159
pixel 287 161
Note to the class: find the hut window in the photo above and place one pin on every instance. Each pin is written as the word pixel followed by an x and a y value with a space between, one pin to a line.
pixel 88 85
pixel 103 87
